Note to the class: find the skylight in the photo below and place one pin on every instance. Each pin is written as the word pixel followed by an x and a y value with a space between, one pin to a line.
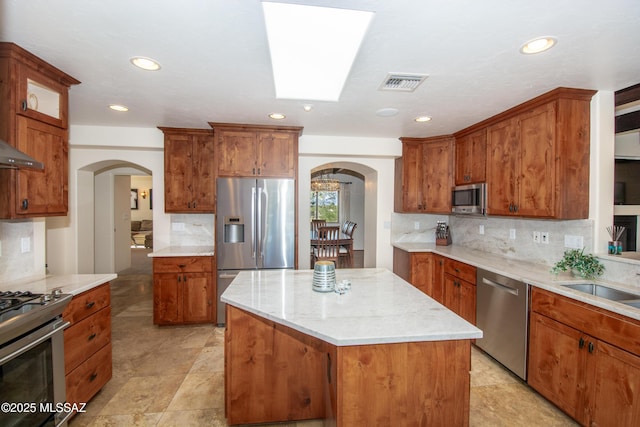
pixel 312 48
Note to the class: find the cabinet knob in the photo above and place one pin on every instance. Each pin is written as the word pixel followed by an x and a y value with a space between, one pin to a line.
pixel 93 377
pixel 581 343
pixel 90 305
pixel 24 105
pixel 91 337
pixel 25 204
pixel 591 347
pixel 194 205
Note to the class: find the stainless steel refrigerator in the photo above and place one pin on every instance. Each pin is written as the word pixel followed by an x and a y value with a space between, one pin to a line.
pixel 255 228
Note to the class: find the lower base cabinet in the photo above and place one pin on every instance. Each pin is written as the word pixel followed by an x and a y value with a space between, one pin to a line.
pixel 87 343
pixel 424 270
pixel 585 360
pixel 460 289
pixel 183 290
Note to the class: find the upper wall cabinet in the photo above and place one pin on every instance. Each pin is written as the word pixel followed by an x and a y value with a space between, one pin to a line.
pixel 424 175
pixel 189 170
pixel 253 150
pixel 471 157
pixel 34 118
pixel 538 157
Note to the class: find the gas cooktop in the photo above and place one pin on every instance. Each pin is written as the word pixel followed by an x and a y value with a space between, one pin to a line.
pixel 21 311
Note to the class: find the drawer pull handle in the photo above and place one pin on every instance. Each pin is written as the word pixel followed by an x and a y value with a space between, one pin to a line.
pixel 92 336
pixel 93 377
pixel 182 265
pixel 581 343
pixel 591 347
pixel 90 304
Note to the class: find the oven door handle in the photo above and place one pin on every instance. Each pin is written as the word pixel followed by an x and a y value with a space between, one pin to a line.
pixel 38 340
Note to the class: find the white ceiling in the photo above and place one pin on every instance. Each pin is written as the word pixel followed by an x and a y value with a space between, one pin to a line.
pixel 216 66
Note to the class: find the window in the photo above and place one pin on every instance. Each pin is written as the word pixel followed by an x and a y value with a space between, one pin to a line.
pixel 324 205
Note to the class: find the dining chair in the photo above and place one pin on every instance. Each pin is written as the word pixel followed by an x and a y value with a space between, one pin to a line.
pixel 327 247
pixel 346 251
pixel 315 224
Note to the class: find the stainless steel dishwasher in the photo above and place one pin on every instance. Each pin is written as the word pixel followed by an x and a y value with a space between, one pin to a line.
pixel 502 307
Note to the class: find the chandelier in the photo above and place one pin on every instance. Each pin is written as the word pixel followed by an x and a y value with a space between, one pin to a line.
pixel 325 184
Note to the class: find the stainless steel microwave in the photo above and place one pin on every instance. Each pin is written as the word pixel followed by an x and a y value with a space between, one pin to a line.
pixel 469 199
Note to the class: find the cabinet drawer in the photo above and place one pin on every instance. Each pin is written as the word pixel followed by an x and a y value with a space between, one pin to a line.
pixel 87 303
pixel 460 270
pixel 87 379
pixel 86 337
pixel 198 264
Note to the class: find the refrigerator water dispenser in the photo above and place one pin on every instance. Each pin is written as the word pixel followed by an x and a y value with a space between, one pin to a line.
pixel 233 230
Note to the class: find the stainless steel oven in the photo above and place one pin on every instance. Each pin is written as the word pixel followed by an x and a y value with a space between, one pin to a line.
pixel 32 374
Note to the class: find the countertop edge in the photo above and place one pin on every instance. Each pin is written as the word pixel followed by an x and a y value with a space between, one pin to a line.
pixel 179 251
pixel 73 284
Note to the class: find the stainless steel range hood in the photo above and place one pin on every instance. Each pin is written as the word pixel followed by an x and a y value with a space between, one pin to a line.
pixel 12 158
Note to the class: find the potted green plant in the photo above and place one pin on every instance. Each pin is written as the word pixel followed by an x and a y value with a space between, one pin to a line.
pixel 580 264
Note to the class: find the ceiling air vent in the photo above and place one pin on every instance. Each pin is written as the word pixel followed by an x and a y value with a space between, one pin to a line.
pixel 402 82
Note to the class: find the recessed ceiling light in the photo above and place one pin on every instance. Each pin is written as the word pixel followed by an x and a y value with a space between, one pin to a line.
pixel 312 48
pixel 422 119
pixel 537 45
pixel 120 108
pixel 145 63
pixel 307 107
pixel 277 116
pixel 387 112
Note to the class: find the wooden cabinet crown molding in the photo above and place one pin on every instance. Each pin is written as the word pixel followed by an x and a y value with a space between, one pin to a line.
pixel 182 131
pixel 558 93
pixel 13 51
pixel 255 128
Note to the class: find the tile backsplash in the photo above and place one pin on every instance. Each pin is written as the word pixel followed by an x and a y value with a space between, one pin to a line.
pixel 192 230
pixel 22 250
pixel 496 239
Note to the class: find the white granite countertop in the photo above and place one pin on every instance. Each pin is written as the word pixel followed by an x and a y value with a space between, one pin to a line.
pixel 73 284
pixel 172 251
pixel 534 274
pixel 379 308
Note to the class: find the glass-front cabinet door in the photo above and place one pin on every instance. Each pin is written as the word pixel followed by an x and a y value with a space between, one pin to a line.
pixel 42 98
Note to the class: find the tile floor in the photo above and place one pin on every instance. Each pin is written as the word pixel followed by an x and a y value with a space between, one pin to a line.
pixel 173 376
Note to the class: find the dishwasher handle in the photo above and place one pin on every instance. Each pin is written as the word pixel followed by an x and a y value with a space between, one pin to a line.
pixel 500 286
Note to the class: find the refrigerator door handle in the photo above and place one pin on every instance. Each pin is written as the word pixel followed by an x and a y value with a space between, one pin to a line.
pixel 259 228
pixel 253 226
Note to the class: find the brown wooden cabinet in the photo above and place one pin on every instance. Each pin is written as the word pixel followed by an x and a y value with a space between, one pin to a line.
pixel 424 270
pixel 471 157
pixel 87 343
pixel 538 157
pixel 426 175
pixel 189 170
pixel 252 150
pixel 460 289
pixel 585 360
pixel 183 290
pixel 34 119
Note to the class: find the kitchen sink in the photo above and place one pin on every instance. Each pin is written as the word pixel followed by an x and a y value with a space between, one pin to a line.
pixel 607 293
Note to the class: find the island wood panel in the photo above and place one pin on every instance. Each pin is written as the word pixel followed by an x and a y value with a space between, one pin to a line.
pixel 403 384
pixel 274 373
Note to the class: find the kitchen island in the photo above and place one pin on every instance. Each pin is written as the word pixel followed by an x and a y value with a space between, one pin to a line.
pixel 383 353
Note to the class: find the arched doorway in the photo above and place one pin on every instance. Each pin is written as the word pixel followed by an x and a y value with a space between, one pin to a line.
pixel 362 208
pixel 105 236
pixel 346 203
